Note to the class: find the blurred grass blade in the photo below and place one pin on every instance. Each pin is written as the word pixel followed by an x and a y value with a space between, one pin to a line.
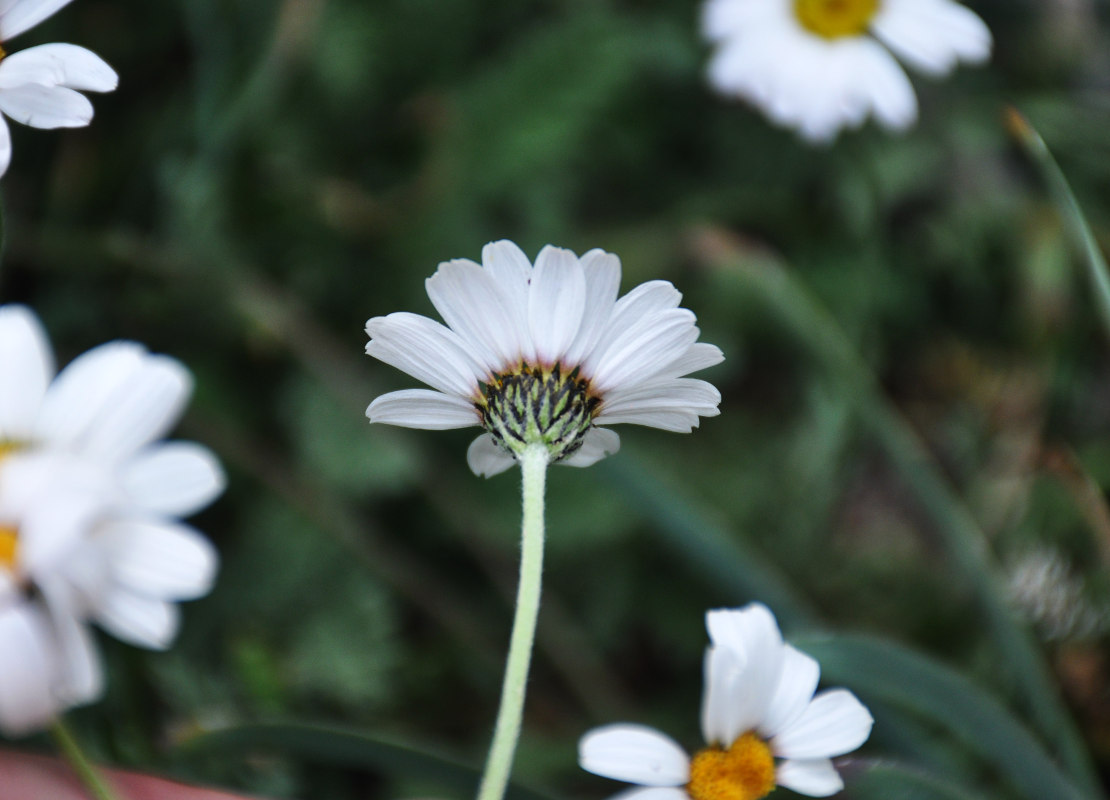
pixel 775 289
pixel 884 780
pixel 1068 206
pixel 889 673
pixel 722 556
pixel 340 748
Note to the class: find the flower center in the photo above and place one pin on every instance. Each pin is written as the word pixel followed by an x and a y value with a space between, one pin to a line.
pixel 833 19
pixel 746 771
pixel 538 405
pixel 9 536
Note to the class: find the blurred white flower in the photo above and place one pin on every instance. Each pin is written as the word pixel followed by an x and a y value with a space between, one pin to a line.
pixel 41 86
pixel 89 500
pixel 544 354
pixel 1043 588
pixel 818 65
pixel 758 706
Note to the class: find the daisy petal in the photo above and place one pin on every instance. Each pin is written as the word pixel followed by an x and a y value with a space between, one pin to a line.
pixel 800 674
pixel 487 458
pixel 652 793
pixel 700 356
pixel 81 679
pixel 603 278
pixel 473 305
pixel 27 701
pixel 724 691
pixel 679 394
pixel 5 147
pixel 422 408
pixel 160 560
pixel 556 301
pixel 47 107
pixel 512 270
pixel 178 479
pixel 813 777
pixel 26 366
pixel 598 444
pixel 141 410
pixel 932 35
pixel 22 15
pixel 141 621
pixel 634 356
pixel 753 633
pixel 634 753
pixel 887 88
pixel 59 65
pixel 426 350
pixel 833 724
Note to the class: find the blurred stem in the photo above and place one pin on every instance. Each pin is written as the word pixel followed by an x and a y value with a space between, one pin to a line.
pixel 1068 206
pixel 963 538
pixel 80 764
pixel 533 468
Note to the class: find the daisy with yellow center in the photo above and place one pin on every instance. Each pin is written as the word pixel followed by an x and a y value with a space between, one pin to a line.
pixel 763 724
pixel 544 355
pixel 822 65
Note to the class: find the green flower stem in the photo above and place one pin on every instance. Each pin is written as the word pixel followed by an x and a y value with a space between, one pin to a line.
pixel 533 467
pixel 86 771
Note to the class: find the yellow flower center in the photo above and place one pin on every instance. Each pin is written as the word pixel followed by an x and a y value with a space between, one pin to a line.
pixel 833 19
pixel 9 536
pixel 746 771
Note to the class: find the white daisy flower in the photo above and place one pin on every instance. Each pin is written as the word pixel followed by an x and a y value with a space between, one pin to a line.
pixel 89 500
pixel 821 65
pixel 763 725
pixel 544 354
pixel 41 86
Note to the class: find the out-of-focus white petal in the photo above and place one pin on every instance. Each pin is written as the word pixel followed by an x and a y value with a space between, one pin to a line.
pixel 887 89
pixel 80 678
pixel 814 777
pixel 724 691
pixel 753 633
pixel 932 35
pixel 486 458
pixel 141 621
pixel 634 753
pixel 422 408
pixel 27 700
pixel 795 689
pixel 833 724
pixel 26 366
pixel 598 444
pixel 42 106
pixel 142 410
pixel 161 560
pixel 21 15
pixel 428 351
pixel 59 65
pixel 177 478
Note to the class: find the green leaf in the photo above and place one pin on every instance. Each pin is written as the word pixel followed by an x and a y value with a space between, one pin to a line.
pixel 885 780
pixel 882 671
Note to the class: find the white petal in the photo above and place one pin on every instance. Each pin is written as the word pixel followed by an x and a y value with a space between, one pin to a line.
pixel 177 478
pixel 425 350
pixel 800 674
pixel 678 394
pixel 141 621
pixel 932 35
pixel 598 444
pixel 725 690
pixel 26 366
pixel 700 356
pixel 753 633
pixel 512 271
pixel 472 303
pixel 634 753
pixel 160 560
pixel 84 389
pixel 59 65
pixel 814 777
pixel 603 278
pixel 487 458
pixel 556 301
pixel 141 410
pixel 27 701
pixel 42 106
pixel 652 793
pixel 638 353
pixel 24 14
pixel 888 90
pixel 80 679
pixel 668 420
pixel 422 408
pixel 833 724
pixel 5 146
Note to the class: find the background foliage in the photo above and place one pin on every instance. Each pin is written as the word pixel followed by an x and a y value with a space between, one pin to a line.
pixel 271 174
